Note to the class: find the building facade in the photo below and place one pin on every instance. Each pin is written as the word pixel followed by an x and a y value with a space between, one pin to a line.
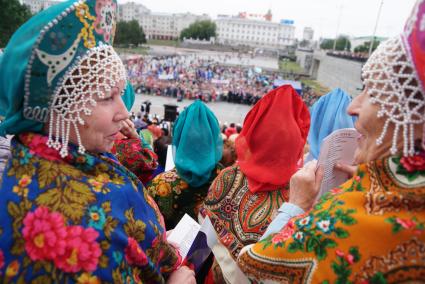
pixel 167 26
pixel 308 34
pixel 240 30
pixel 131 11
pixel 155 25
pixel 36 6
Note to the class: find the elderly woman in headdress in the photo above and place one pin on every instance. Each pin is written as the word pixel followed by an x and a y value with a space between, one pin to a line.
pixel 243 198
pixel 371 229
pixel 197 150
pixel 69 211
pixel 328 114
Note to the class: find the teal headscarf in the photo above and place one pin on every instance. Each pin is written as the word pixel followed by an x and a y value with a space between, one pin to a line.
pixel 328 114
pixel 197 144
pixel 128 97
pixel 40 54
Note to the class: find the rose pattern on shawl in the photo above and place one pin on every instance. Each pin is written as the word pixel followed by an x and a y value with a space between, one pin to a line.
pixel 134 254
pixel 314 232
pixel 44 234
pixel 411 167
pixel 66 229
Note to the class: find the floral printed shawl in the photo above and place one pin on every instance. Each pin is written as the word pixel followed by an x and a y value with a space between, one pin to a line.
pixel 136 157
pixel 84 218
pixel 175 197
pixel 369 230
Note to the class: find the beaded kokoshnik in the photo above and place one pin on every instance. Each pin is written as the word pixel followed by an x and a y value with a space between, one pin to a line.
pixel 392 83
pixel 394 77
pixel 89 69
pixel 93 76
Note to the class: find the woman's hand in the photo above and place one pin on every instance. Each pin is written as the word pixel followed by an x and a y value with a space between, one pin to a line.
pixel 350 170
pixel 305 185
pixel 128 129
pixel 182 275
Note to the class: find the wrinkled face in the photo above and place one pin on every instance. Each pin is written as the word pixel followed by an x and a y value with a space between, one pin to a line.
pixel 370 127
pixel 105 121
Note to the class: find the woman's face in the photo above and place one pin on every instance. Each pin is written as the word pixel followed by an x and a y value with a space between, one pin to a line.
pixel 105 121
pixel 370 127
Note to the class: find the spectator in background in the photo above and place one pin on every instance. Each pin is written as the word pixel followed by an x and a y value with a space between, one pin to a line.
pixel 161 149
pixel 4 152
pixel 243 198
pixel 139 124
pixel 198 149
pixel 328 114
pixel 229 153
pixel 230 130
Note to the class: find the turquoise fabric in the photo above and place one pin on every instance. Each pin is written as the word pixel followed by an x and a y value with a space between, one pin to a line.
pixel 128 96
pixel 147 138
pixel 57 32
pixel 328 114
pixel 197 144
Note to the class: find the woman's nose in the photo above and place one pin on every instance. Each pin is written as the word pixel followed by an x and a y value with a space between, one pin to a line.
pixel 355 105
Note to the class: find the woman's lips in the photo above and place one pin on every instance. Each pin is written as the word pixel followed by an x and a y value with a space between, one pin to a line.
pixel 112 136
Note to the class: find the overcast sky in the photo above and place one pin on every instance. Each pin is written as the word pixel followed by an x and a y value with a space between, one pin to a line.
pixel 358 17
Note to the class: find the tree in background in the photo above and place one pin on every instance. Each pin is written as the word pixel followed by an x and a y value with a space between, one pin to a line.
pixel 327 44
pixel 129 33
pixel 342 43
pixel 12 14
pixel 365 46
pixel 199 30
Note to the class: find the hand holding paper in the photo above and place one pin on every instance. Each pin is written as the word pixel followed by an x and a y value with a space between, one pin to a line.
pixel 338 147
pixel 191 239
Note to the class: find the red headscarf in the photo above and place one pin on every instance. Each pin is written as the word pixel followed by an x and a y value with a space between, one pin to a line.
pixel 272 139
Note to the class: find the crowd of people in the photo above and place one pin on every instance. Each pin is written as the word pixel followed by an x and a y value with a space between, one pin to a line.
pixel 85 195
pixel 356 56
pixel 197 77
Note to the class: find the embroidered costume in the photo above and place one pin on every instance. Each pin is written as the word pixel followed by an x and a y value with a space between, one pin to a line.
pixel 371 229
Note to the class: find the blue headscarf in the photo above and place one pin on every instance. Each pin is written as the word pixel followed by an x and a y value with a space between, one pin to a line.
pixel 328 114
pixel 197 144
pixel 42 51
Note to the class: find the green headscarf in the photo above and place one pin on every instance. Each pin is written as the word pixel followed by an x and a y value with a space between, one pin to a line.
pixel 147 138
pixel 197 144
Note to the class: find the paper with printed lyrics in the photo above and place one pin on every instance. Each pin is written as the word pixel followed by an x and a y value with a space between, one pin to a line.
pixel 184 234
pixel 193 241
pixel 338 147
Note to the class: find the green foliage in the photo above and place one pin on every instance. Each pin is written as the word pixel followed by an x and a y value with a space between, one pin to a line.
pixel 365 46
pixel 129 33
pixel 199 30
pixel 12 15
pixel 342 43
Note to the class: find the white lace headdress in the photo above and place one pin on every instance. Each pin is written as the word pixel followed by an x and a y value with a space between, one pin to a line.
pixel 94 75
pixel 392 83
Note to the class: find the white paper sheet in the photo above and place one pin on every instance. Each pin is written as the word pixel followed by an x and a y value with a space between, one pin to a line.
pixel 337 147
pixel 169 163
pixel 184 234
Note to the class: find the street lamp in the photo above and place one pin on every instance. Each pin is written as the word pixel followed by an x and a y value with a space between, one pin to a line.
pixel 372 42
pixel 338 24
